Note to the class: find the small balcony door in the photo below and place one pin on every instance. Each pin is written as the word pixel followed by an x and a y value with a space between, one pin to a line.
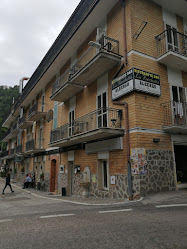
pixel 71 122
pixel 172 39
pixel 102 115
pixel 179 105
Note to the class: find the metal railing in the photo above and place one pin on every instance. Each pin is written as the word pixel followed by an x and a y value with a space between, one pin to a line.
pixel 14 127
pixel 10 130
pixel 175 113
pixel 19 149
pixel 12 152
pixel 107 44
pixel 33 110
pixel 171 40
pixel 4 153
pixel 30 145
pixel 60 81
pixel 6 134
pixel 21 121
pixel 34 144
pixel 100 118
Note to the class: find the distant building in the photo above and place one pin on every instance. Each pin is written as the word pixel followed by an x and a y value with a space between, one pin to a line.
pixel 105 111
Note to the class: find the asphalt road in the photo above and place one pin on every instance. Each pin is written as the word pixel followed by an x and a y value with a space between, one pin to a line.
pixel 27 221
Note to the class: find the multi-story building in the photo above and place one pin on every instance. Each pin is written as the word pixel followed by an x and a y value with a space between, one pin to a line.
pixel 105 112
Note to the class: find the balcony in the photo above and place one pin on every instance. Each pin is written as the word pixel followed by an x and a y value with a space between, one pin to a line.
pixel 4 154
pixel 10 133
pixel 172 49
pixel 24 124
pixel 90 66
pixel 175 117
pixel 101 124
pixel 35 113
pixel 19 149
pixel 34 146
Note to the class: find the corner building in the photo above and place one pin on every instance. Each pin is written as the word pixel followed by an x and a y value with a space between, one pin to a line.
pixel 105 112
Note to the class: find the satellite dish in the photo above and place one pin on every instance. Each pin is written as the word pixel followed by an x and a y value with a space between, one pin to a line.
pixel 49 115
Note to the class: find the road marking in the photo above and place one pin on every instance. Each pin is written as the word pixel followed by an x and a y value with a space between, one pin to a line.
pixel 115 211
pixel 7 220
pixel 171 205
pixel 54 216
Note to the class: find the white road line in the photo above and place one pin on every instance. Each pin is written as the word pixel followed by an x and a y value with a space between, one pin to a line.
pixel 115 211
pixel 54 216
pixel 171 205
pixel 7 220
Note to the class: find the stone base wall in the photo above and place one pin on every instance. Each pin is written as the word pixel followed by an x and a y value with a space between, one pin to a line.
pixel 62 182
pixel 46 181
pixel 160 172
pixel 160 176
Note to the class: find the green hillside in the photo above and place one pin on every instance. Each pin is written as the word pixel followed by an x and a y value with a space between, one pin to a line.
pixel 6 100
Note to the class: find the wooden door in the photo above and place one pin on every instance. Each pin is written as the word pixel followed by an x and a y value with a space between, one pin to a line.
pixel 53 176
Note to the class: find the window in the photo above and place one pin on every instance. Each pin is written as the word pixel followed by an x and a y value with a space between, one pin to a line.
pixel 55 115
pixel 102 115
pixel 71 122
pixel 178 94
pixel 172 38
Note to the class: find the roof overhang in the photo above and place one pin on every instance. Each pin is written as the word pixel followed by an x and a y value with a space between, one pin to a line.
pixel 92 21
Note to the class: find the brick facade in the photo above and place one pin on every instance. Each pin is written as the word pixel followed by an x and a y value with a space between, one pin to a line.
pixel 146 115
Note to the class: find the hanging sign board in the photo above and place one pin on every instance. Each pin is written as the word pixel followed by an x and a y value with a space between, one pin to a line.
pixel 136 79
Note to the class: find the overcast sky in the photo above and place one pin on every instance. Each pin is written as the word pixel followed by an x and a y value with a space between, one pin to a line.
pixel 27 30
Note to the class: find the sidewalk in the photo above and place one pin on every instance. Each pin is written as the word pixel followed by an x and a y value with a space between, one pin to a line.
pixel 179 196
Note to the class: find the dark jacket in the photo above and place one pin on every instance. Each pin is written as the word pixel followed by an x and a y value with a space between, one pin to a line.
pixel 8 180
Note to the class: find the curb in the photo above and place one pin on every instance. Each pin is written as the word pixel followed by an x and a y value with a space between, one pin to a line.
pixel 77 202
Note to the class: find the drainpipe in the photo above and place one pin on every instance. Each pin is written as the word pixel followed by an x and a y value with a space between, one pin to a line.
pixel 127 145
pixel 124 33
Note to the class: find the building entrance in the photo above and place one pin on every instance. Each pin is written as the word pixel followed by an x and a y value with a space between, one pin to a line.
pixel 181 163
pixel 53 176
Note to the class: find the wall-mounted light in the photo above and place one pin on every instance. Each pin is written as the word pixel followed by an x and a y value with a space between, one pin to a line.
pixel 94 44
pixel 156 140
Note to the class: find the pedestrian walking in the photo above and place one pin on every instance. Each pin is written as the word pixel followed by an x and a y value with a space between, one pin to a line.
pixel 8 184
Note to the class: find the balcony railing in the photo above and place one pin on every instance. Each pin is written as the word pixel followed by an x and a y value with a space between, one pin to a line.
pixel 21 121
pixel 175 113
pixel 33 110
pixel 101 118
pixel 60 81
pixel 171 40
pixel 107 44
pixel 19 149
pixel 4 153
pixel 34 145
pixel 12 152
pixel 35 113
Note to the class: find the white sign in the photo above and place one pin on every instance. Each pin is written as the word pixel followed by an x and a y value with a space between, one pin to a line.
pixel 112 180
pixel 136 79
